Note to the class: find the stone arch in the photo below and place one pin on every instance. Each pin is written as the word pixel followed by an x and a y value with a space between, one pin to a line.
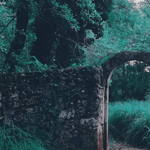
pixel 109 66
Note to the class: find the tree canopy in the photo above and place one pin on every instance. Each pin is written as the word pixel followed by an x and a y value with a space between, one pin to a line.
pixel 54 31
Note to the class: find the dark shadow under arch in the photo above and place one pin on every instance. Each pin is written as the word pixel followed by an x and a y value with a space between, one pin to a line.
pixel 109 66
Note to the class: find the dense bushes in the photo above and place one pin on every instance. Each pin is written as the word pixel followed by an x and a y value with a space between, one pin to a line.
pixel 130 122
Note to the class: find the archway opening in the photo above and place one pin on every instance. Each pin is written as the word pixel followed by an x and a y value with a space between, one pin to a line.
pixel 129 105
pixel 109 66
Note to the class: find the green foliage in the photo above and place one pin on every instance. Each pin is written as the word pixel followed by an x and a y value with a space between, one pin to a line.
pixel 29 65
pixel 13 138
pixel 129 122
pixel 56 30
pixel 7 28
pixel 71 19
pixel 127 29
pixel 64 12
pixel 88 12
pixel 130 81
pixel 6 33
pixel 79 14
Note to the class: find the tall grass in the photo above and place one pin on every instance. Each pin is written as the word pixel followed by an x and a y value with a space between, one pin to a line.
pixel 13 138
pixel 130 122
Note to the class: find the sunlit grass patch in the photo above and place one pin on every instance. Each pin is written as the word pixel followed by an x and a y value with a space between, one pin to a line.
pixel 130 122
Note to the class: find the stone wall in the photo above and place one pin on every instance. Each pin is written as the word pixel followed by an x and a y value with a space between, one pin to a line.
pixel 62 106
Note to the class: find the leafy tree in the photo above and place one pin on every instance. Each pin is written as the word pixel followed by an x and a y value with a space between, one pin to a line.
pixel 61 27
pixel 51 31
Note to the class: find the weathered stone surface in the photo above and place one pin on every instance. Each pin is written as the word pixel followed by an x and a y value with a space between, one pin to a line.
pixel 65 104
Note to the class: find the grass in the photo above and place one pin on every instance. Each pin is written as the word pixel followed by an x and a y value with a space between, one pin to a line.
pixel 13 138
pixel 130 122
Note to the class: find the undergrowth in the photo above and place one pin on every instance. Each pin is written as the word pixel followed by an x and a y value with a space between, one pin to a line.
pixel 13 138
pixel 129 122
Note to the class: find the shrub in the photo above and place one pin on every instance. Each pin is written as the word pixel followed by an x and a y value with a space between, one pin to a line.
pixel 130 122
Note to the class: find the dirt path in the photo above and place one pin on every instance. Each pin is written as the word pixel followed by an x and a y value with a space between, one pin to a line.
pixel 118 146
